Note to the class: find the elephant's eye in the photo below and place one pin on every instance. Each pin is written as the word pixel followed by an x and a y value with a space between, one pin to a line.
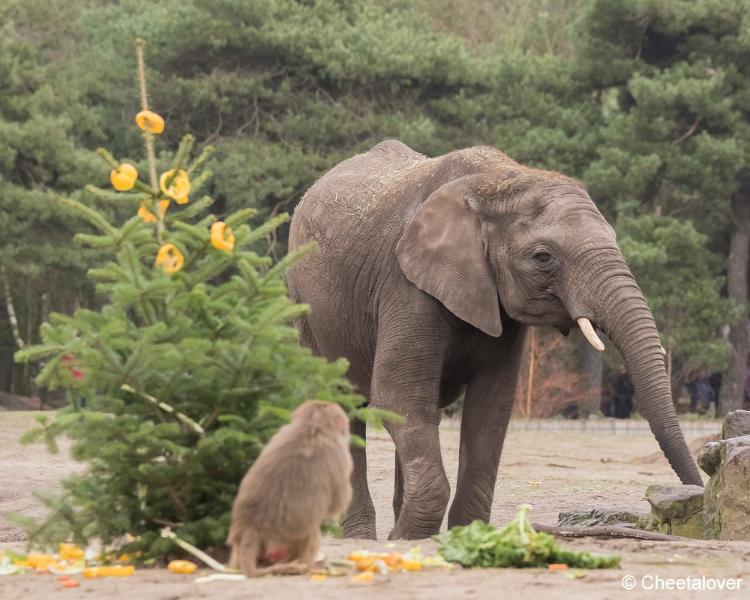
pixel 543 258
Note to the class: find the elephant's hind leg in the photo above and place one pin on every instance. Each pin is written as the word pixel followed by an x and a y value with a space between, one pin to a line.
pixel 360 516
pixel 359 521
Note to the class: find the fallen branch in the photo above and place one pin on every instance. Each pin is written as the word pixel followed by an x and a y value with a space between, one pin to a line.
pixel 198 553
pixel 610 531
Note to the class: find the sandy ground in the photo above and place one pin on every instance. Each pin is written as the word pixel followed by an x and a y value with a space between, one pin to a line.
pixel 552 470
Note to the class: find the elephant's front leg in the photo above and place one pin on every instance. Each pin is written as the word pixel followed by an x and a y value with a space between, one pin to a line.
pixel 487 408
pixel 409 386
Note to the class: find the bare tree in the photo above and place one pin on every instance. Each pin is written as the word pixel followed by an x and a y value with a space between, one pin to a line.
pixel 547 381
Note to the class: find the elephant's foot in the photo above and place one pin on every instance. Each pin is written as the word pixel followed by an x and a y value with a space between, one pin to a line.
pixel 360 526
pixel 412 525
pixel 421 512
pixel 414 532
pixel 464 513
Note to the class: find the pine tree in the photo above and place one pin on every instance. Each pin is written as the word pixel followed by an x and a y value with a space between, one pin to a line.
pixel 186 370
pixel 674 81
pixel 40 270
pixel 679 277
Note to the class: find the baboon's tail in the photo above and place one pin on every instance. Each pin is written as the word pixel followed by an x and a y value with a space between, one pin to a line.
pixel 287 568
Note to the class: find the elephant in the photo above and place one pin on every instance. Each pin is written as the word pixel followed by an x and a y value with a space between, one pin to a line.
pixel 426 276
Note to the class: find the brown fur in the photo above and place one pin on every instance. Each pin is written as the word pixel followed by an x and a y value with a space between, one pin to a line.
pixel 300 478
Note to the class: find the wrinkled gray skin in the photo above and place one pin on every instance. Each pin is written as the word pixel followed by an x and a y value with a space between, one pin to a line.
pixel 428 272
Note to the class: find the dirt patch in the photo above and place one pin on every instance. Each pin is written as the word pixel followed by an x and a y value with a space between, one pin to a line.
pixel 25 470
pixel 552 470
pixel 694 445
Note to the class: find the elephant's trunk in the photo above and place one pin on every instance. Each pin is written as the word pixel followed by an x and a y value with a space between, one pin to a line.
pixel 618 307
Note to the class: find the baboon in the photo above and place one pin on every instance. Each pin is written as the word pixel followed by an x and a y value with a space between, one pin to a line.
pixel 300 478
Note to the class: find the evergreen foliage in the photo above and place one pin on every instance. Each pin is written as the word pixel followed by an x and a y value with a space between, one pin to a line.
pixel 39 157
pixel 673 79
pixel 679 276
pixel 182 375
pixel 645 101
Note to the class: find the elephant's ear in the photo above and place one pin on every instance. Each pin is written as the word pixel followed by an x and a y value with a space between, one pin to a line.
pixel 441 252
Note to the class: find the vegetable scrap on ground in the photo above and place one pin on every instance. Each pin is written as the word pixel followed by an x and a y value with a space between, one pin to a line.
pixel 69 561
pixel 516 545
pixel 476 545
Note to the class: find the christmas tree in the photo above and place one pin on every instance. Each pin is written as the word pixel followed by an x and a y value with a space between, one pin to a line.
pixel 187 369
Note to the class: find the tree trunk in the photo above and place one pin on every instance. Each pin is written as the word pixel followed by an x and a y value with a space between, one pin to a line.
pixel 532 360
pixel 592 365
pixel 7 347
pixel 732 393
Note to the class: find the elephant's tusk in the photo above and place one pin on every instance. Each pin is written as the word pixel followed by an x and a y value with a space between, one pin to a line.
pixel 588 332
pixel 662 350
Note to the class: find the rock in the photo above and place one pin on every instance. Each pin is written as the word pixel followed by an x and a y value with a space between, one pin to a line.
pixel 677 510
pixel 736 424
pixel 726 510
pixel 710 457
pixel 597 516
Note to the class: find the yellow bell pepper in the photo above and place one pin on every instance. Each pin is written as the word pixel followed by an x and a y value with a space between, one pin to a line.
pixel 411 565
pixel 169 259
pixel 149 217
pixel 109 571
pixel 150 121
pixel 179 187
pixel 222 237
pixel 182 567
pixel 123 178
pixel 40 560
pixel 71 552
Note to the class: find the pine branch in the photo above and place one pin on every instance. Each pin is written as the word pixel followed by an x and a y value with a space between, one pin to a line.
pixel 241 216
pixel 113 196
pixel 688 133
pixel 192 210
pixel 91 216
pixel 202 158
pixel 290 259
pixel 182 153
pixel 134 263
pixel 198 182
